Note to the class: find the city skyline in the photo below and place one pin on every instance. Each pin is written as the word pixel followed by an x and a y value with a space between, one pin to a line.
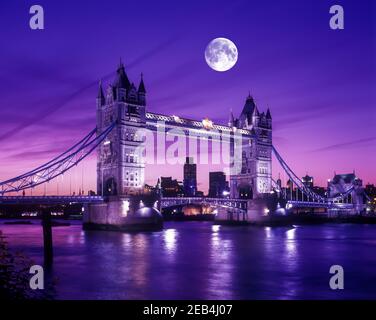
pixel 207 151
pixel 327 71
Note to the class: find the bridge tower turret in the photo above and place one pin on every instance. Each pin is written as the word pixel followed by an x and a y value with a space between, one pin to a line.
pixel 142 91
pixel 100 97
pixel 120 166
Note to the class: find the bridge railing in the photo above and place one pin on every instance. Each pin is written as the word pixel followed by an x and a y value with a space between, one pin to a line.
pixel 227 202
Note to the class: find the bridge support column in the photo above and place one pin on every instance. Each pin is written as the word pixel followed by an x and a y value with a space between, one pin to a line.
pixel 124 213
pixel 47 236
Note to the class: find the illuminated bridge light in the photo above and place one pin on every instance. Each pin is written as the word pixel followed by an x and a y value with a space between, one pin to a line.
pixel 208 124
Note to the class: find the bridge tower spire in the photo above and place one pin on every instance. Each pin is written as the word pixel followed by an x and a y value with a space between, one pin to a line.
pixel 142 91
pixel 100 96
pixel 231 121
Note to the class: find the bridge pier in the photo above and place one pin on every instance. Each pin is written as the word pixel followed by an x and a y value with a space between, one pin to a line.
pixel 47 235
pixel 124 213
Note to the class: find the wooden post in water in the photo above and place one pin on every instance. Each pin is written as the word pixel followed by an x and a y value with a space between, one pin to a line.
pixel 47 235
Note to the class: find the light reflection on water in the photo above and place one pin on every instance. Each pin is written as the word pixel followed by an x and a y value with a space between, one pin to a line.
pixel 170 240
pixel 291 249
pixel 291 264
pixel 199 260
pixel 268 232
pixel 281 254
pixel 221 251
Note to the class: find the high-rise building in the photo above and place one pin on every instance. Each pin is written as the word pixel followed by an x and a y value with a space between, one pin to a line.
pixel 308 181
pixel 171 187
pixel 218 186
pixel 190 177
pixel 371 190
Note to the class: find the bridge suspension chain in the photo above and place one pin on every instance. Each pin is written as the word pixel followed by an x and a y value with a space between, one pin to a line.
pixel 277 187
pixel 57 166
pixel 295 179
pixel 302 187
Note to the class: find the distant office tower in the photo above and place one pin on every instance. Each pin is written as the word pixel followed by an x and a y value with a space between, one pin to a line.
pixel 170 187
pixel 217 184
pixel 290 184
pixel 371 191
pixel 308 181
pixel 190 177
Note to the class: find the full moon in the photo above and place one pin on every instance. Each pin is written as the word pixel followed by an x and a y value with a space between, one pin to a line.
pixel 221 54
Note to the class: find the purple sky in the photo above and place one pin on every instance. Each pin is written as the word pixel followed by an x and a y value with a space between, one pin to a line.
pixel 318 83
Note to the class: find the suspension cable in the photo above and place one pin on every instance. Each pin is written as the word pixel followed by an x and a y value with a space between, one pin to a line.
pixel 57 166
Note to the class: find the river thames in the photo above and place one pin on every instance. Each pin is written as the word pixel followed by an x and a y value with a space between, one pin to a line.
pixel 199 260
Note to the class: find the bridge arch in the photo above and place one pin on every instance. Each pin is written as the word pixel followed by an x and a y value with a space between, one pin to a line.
pixel 245 191
pixel 110 187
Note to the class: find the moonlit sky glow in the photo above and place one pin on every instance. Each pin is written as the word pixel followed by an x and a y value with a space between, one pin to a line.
pixel 318 83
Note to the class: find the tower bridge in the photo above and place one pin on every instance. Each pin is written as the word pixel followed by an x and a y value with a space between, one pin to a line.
pixel 119 140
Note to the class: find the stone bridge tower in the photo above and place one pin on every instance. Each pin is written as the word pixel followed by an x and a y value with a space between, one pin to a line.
pixel 254 178
pixel 120 165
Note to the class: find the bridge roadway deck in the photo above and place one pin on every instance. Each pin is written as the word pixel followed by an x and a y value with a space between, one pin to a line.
pixel 306 204
pixel 49 200
pixel 165 201
pixel 175 201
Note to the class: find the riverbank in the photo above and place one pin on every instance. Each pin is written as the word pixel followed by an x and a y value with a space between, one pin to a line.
pixel 15 276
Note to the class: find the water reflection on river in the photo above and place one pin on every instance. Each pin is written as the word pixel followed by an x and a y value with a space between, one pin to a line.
pixel 199 260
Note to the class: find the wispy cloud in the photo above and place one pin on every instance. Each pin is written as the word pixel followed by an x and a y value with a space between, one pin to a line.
pixel 44 113
pixel 347 145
